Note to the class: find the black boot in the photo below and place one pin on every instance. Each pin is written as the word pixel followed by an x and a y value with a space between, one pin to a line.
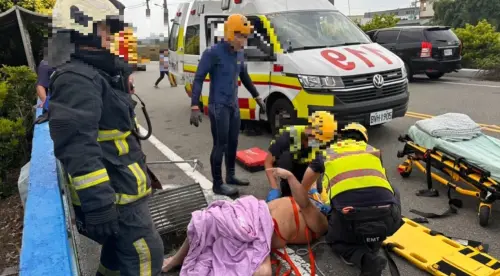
pixel 372 265
pixel 233 180
pixel 224 190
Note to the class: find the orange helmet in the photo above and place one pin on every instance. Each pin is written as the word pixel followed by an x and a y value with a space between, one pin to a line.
pixel 236 23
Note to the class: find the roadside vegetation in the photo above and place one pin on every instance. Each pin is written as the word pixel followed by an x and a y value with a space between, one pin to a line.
pixel 17 98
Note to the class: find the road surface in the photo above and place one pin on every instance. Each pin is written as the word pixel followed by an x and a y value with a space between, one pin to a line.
pixel 169 112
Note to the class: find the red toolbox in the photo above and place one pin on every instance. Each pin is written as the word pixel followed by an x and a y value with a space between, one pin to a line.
pixel 251 159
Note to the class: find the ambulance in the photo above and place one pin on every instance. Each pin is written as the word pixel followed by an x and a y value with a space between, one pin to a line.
pixel 304 56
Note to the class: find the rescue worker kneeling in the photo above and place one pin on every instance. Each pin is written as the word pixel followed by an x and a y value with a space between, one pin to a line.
pixel 295 147
pixel 96 139
pixel 365 207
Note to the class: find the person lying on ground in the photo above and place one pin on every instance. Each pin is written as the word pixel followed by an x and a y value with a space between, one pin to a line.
pixel 236 238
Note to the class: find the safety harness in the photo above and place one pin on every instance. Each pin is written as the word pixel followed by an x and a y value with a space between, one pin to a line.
pixel 284 255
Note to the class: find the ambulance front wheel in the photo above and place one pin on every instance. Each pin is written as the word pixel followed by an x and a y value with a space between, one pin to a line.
pixel 484 215
pixel 281 113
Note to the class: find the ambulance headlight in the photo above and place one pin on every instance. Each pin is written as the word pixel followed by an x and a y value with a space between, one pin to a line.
pixel 323 82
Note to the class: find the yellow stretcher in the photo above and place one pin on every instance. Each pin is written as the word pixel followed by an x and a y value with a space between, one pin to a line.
pixel 439 255
pixel 458 169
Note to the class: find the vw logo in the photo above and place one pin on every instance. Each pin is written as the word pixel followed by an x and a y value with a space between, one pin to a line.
pixel 378 81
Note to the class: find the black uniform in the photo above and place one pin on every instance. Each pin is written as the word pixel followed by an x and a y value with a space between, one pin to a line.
pixel 91 121
pixel 290 154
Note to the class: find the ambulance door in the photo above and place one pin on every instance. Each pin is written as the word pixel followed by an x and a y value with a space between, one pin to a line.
pixel 176 45
pixel 192 46
pixel 258 58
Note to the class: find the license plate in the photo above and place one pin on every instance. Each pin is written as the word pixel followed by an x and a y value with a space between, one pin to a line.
pixel 380 117
pixel 448 52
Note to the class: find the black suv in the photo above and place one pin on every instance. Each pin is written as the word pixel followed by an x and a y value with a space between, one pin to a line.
pixel 432 50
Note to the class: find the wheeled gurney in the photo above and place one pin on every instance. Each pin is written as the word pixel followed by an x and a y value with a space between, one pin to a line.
pixel 475 162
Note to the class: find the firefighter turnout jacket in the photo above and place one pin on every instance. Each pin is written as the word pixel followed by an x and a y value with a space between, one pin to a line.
pixel 91 122
pixel 350 165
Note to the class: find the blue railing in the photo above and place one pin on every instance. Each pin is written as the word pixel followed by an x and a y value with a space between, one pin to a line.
pixel 47 243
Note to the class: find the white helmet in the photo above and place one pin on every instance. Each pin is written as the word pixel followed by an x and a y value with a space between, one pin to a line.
pixel 75 22
pixel 81 15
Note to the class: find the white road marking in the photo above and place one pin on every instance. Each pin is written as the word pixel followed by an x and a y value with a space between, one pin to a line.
pixel 471 84
pixel 185 167
pixel 303 266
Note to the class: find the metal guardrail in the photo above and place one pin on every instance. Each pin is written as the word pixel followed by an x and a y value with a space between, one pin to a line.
pixel 48 244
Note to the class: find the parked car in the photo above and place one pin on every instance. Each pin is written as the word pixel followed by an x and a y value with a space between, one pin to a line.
pixel 433 50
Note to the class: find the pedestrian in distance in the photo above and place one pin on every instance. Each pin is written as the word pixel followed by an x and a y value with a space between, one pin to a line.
pixel 163 66
pixel 224 62
pixel 92 124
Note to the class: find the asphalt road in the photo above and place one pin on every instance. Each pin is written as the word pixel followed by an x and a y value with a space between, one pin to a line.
pixel 169 112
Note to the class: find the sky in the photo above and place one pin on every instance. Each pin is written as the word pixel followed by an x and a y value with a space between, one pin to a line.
pixel 135 12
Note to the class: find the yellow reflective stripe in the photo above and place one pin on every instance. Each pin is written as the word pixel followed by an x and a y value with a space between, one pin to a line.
pixel 113 134
pixel 107 272
pixel 140 177
pixel 122 146
pixel 122 199
pixel 90 179
pixel 75 200
pixel 272 35
pixel 144 257
pixel 361 182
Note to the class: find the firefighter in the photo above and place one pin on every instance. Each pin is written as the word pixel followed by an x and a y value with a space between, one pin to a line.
pixel 366 208
pixel 295 147
pixel 225 63
pixel 92 125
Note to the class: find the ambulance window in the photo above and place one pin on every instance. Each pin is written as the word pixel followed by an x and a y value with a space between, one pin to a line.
pixel 258 42
pixel 174 36
pixel 193 40
pixel 210 32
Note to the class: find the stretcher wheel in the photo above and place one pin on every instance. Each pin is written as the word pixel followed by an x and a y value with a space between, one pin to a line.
pixel 484 215
pixel 405 174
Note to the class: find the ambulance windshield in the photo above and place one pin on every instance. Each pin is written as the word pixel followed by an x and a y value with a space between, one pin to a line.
pixel 303 30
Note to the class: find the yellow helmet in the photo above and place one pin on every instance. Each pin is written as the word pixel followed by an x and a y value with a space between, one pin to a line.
pixel 356 127
pixel 323 126
pixel 236 23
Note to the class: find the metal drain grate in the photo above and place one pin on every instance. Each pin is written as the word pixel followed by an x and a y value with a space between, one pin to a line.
pixel 171 209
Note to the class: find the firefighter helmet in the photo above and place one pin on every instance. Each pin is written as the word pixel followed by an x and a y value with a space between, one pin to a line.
pixel 357 128
pixel 236 23
pixel 323 126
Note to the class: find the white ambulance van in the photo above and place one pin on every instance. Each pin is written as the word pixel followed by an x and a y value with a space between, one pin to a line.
pixel 302 57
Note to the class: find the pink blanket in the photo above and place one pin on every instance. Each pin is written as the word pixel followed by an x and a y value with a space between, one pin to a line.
pixel 229 238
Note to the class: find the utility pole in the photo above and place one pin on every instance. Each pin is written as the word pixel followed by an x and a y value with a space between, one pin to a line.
pixel 148 11
pixel 166 21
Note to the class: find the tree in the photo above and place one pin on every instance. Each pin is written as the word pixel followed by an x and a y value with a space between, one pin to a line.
pixel 457 13
pixel 380 22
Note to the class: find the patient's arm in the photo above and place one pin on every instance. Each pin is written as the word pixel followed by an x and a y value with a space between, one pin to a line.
pixel 315 220
pixel 176 260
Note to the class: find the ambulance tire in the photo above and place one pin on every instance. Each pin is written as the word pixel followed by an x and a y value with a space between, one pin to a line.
pixel 281 105
pixel 484 215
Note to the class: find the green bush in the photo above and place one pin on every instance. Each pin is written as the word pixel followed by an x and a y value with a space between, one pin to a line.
pixel 17 97
pixel 481 45
pixel 380 22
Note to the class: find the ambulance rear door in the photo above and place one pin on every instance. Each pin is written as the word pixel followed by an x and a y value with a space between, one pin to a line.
pixel 259 59
pixel 176 46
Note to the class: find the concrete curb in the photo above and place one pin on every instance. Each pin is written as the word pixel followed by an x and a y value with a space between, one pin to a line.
pixel 466 73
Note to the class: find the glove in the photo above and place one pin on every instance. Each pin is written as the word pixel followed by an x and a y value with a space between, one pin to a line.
pixel 102 223
pixel 261 104
pixel 273 194
pixel 195 117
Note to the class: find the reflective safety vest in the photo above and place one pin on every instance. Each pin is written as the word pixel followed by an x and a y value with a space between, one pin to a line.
pixel 296 146
pixel 351 165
